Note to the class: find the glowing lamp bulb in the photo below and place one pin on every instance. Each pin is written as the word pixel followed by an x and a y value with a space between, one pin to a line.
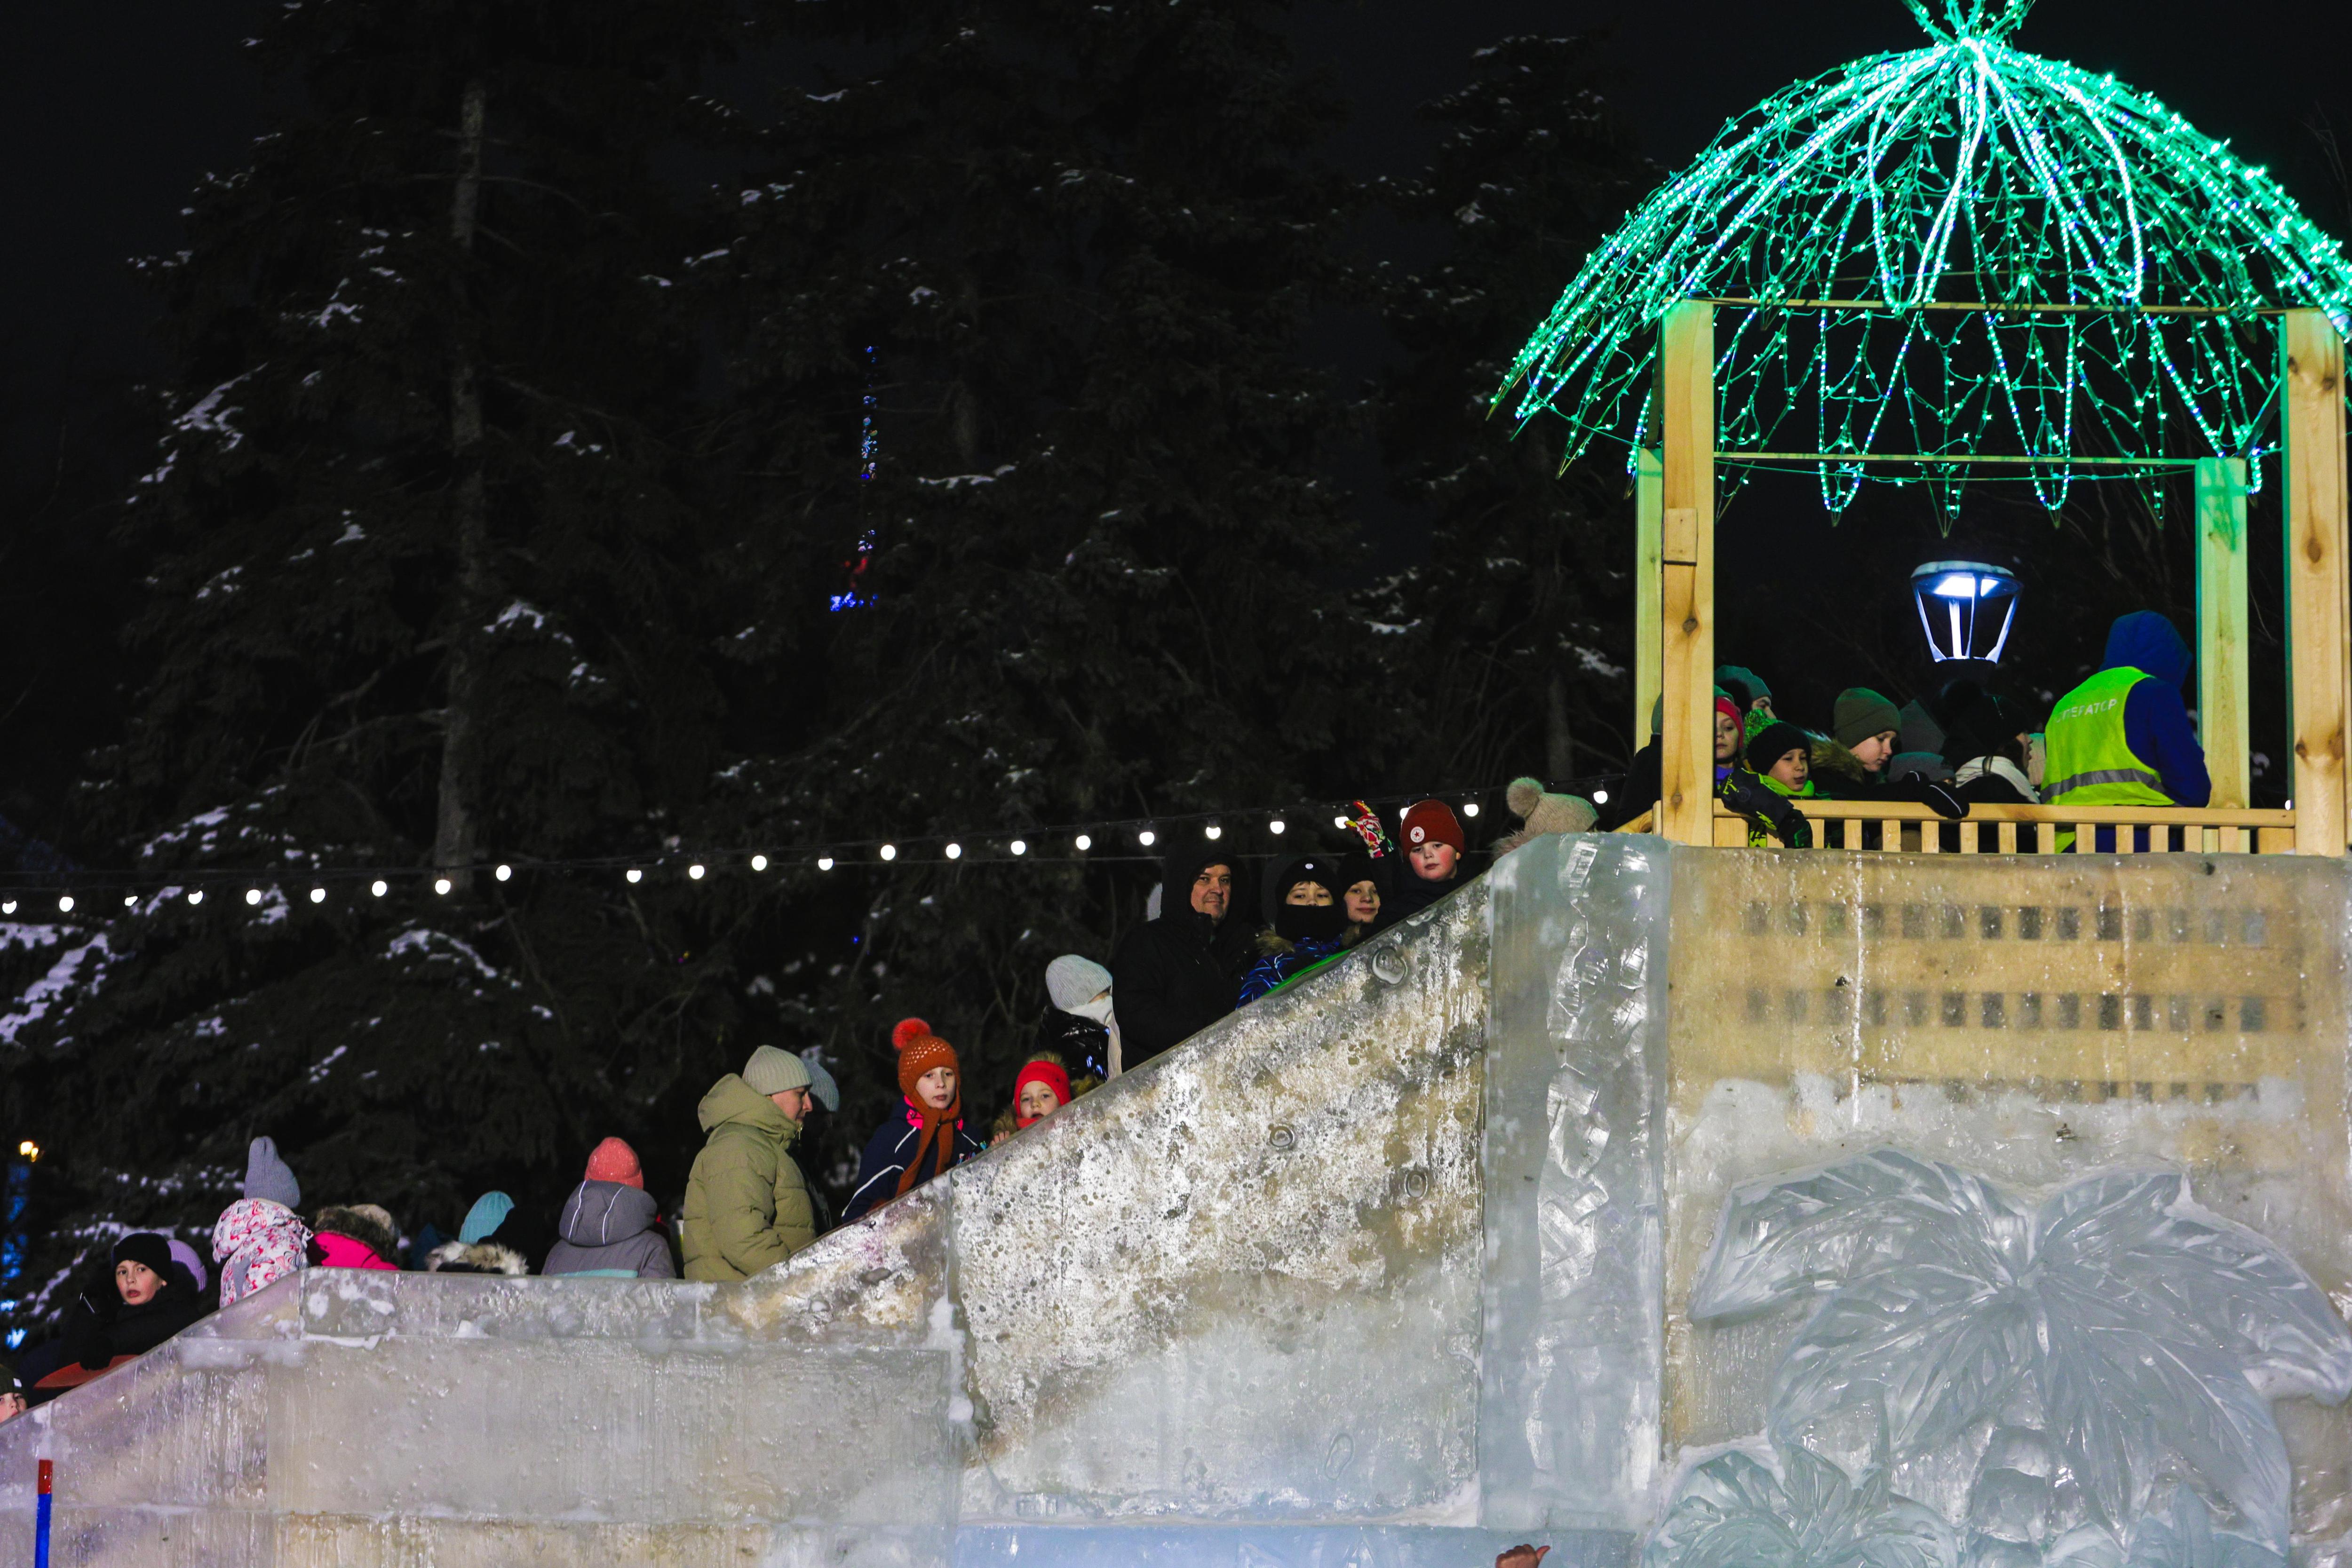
pixel 253 896
pixel 130 901
pixel 196 897
pixel 1019 847
pixel 65 904
pixel 758 862
pixel 824 863
pixel 1470 807
pixel 8 907
pixel 1147 838
pixel 1084 842
pixel 379 887
pixel 318 895
pixel 29 1149
pixel 693 873
pixel 1275 826
pixel 1338 822
pixel 1212 830
pixel 1600 797
pixel 442 884
pixel 889 851
pixel 503 873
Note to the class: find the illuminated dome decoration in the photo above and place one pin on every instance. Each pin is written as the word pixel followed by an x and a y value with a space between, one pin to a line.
pixel 1847 225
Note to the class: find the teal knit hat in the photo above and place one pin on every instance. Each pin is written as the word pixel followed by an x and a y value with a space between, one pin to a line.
pixel 490 1212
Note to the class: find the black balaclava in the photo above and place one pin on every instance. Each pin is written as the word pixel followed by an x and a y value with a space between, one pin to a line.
pixel 1305 922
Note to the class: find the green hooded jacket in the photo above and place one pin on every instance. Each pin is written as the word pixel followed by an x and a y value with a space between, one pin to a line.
pixel 746 1207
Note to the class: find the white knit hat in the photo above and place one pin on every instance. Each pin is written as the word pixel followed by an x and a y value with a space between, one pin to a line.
pixel 771 1071
pixel 1073 981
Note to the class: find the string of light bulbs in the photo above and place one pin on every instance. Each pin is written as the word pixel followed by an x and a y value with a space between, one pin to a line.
pixel 1116 840
pixel 1965 263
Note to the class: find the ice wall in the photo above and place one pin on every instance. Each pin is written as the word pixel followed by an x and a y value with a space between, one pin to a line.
pixel 1726 1197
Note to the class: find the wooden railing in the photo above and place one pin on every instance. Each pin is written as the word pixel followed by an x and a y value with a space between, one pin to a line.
pixel 1990 830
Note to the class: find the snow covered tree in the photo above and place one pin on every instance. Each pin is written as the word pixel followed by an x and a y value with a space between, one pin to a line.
pixel 423 590
pixel 1024 297
pixel 1516 623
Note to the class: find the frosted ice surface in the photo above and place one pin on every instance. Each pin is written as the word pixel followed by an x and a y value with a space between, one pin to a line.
pixel 1782 1208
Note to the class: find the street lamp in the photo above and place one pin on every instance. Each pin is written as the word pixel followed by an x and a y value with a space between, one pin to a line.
pixel 1966 607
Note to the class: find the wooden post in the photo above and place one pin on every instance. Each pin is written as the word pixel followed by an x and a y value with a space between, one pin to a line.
pixel 1649 524
pixel 1686 574
pixel 2221 663
pixel 2312 368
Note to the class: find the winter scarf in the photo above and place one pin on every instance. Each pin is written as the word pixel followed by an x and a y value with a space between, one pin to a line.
pixel 257 1242
pixel 921 1050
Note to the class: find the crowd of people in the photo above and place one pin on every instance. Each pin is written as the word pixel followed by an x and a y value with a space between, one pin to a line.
pixel 2122 737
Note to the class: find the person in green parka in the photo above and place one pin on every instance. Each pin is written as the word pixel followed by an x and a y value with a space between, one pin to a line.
pixel 747 1206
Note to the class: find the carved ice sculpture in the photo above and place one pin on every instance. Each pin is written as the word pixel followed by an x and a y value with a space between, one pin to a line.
pixel 2085 1381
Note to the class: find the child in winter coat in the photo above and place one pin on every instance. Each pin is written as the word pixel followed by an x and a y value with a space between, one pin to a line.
pixel 1306 923
pixel 1360 892
pixel 258 1241
pixel 928 1139
pixel 1435 848
pixel 1778 770
pixel 609 1225
pixel 1081 1024
pixel 353 1236
pixel 152 1299
pixel 1042 1087
pixel 486 1242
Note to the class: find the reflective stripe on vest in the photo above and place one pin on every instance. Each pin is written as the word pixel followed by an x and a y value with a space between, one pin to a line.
pixel 2090 761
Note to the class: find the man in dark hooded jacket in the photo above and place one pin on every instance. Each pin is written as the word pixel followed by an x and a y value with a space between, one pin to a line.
pixel 2123 738
pixel 1178 975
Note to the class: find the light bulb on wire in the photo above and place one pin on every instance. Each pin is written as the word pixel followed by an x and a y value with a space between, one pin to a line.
pixel 889 851
pixel 503 873
pixel 1212 831
pixel 379 887
pixel 253 896
pixel 955 852
pixel 693 873
pixel 65 904
pixel 195 896
pixel 1470 807
pixel 824 863
pixel 1275 826
pixel 1019 847
pixel 758 862
pixel 1146 837
pixel 635 876
pixel 1084 842
pixel 318 895
pixel 442 884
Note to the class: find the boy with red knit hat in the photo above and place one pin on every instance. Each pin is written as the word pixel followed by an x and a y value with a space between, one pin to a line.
pixel 928 1138
pixel 1435 848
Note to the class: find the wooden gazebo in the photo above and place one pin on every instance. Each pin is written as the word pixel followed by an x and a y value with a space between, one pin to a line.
pixel 2061 282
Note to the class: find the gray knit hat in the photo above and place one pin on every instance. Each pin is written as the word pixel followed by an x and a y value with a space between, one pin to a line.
pixel 266 1175
pixel 771 1072
pixel 1073 981
pixel 1861 712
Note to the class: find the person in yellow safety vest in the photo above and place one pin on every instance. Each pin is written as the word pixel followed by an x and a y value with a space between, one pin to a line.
pixel 2123 738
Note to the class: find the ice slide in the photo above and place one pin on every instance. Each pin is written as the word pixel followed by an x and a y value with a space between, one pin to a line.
pixel 1714 1208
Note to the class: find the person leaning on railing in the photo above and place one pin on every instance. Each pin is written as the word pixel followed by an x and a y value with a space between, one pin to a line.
pixel 2123 736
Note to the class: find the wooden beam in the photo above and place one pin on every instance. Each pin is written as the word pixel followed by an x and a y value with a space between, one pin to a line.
pixel 2221 636
pixel 1649 547
pixel 2312 369
pixel 1686 573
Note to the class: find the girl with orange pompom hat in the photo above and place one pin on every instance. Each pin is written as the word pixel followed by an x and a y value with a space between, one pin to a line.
pixel 910 1149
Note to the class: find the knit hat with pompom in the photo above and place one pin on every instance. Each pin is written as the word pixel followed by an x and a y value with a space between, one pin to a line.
pixel 1543 812
pixel 919 1050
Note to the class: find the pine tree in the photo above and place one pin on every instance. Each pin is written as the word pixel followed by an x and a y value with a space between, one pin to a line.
pixel 1513 630
pixel 424 589
pixel 1053 260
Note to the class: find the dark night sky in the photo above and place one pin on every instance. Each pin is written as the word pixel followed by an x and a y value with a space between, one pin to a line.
pixel 112 109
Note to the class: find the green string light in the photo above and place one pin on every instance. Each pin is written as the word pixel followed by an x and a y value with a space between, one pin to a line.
pixel 2123 256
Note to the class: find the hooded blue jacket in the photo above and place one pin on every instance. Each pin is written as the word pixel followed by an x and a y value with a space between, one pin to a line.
pixel 2156 718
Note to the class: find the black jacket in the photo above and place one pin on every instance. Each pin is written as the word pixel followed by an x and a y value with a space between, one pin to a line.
pixel 1408 894
pixel 1636 793
pixel 1083 1044
pixel 1173 977
pixel 99 1327
pixel 894 1143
